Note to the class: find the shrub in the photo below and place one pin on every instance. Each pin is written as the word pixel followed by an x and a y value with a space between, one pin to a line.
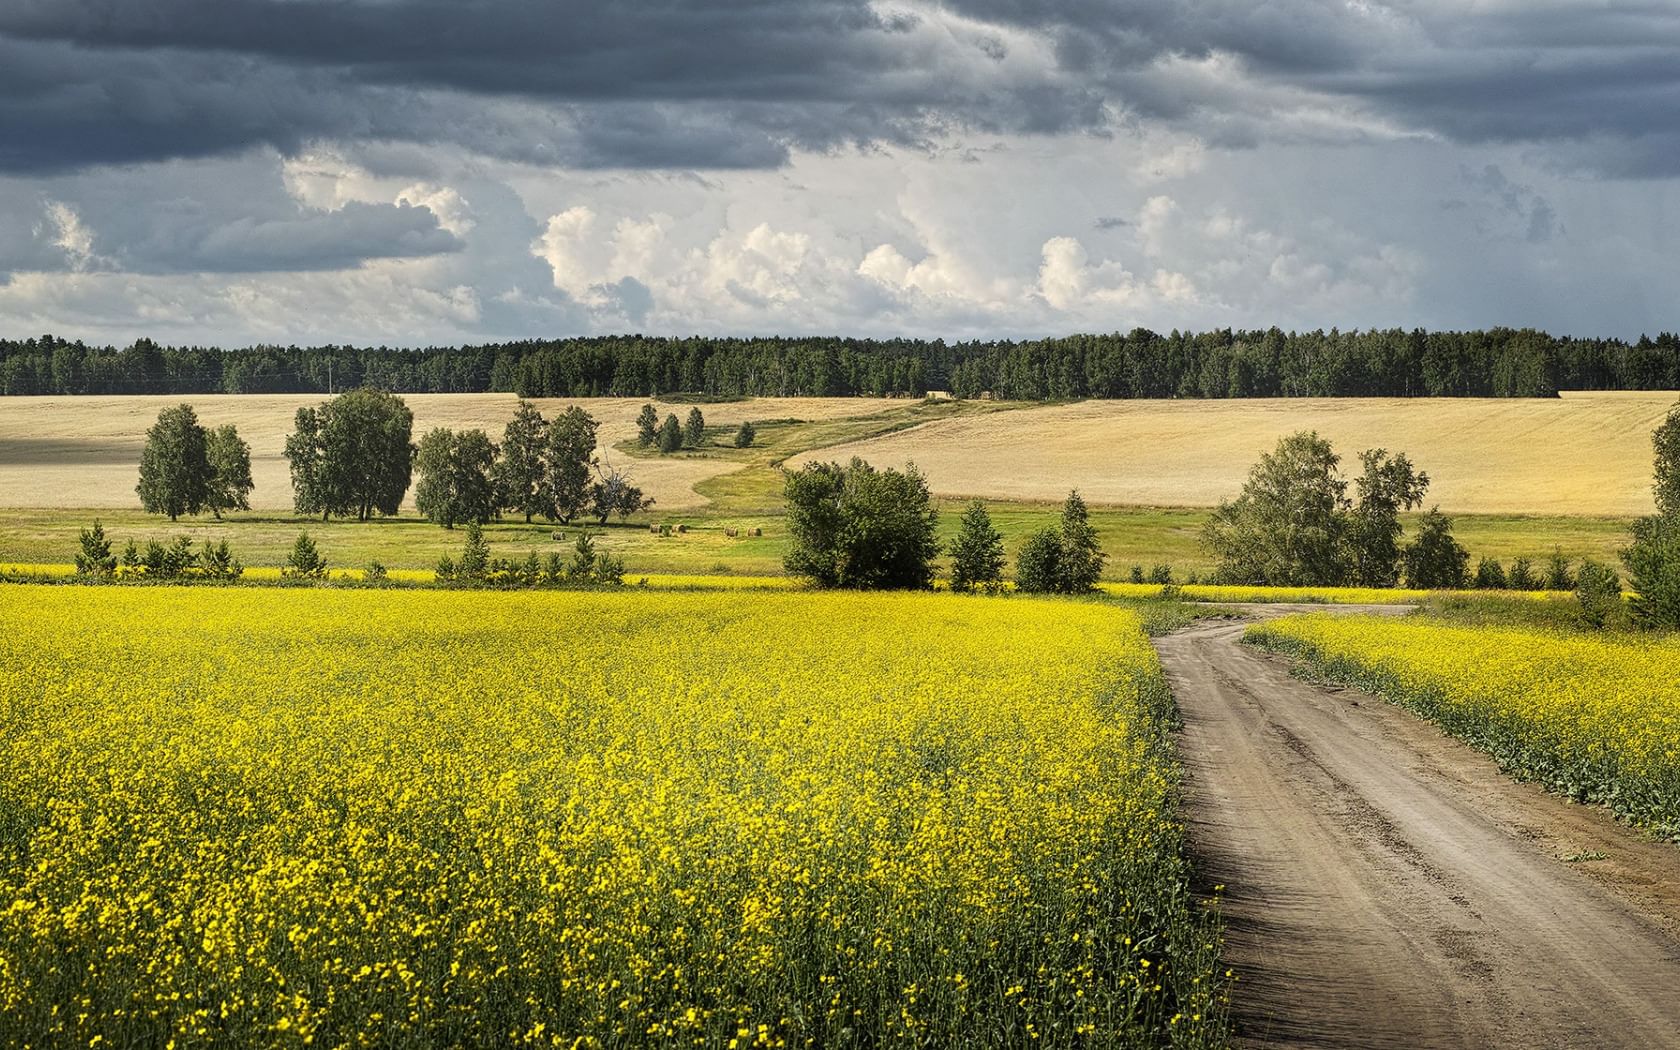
pixel 1435 560
pixel 475 555
pixel 375 572
pixel 304 562
pixel 1490 575
pixel 1522 576
pixel 1558 576
pixel 218 563
pixel 1161 574
pixel 1038 565
pixel 95 558
pixel 1137 574
pixel 445 571
pixel 744 435
pixel 1599 591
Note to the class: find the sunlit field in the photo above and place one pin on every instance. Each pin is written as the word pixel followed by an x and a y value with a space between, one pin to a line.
pixel 269 817
pixel 1595 717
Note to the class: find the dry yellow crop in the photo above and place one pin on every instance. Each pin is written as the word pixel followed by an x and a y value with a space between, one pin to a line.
pixel 275 817
pixel 1595 717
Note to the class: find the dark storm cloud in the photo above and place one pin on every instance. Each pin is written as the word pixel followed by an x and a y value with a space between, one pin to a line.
pixel 738 83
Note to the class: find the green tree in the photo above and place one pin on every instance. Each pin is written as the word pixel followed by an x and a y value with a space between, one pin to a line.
pixel 353 456
pixel 670 434
pixel 647 426
pixel 1038 565
pixel 305 452
pixel 977 553
pixel 475 555
pixel 1598 590
pixel 613 494
pixel 305 561
pixel 582 565
pixel 95 558
pixel 694 428
pixel 570 459
pixel 1558 576
pixel 174 465
pixel 745 435
pixel 1288 527
pixel 230 470
pixel 1082 557
pixel 855 526
pixel 520 469
pixel 1522 577
pixel 1653 566
pixel 455 483
pixel 1490 575
pixel 1653 559
pixel 1665 442
pixel 1388 486
pixel 1435 561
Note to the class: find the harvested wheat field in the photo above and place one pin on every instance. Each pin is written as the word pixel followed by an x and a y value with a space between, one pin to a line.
pixel 1587 454
pixel 84 451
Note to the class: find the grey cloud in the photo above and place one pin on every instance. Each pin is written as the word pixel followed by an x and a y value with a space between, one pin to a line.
pixel 738 83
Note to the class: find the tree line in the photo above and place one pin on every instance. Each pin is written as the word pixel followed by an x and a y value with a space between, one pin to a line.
pixel 354 456
pixel 1497 362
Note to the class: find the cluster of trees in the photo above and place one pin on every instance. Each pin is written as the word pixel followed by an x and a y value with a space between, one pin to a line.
pixel 1499 362
pixel 1294 525
pixel 853 525
pixel 476 566
pixel 352 456
pixel 187 469
pixel 545 467
pixel 670 436
pixel 176 561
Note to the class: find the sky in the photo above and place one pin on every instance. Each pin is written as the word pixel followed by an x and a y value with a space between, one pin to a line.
pixel 424 172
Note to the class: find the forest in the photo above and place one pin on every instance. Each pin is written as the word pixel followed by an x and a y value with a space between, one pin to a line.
pixel 1226 363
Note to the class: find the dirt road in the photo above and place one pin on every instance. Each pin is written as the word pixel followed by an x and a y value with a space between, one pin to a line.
pixel 1386 886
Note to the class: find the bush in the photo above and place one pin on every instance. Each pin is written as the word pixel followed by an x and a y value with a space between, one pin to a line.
pixel 218 563
pixel 1161 574
pixel 95 558
pixel 1038 566
pixel 375 572
pixel 1435 561
pixel 1558 576
pixel 445 571
pixel 744 435
pixel 305 562
pixel 1599 591
pixel 1490 575
pixel 1522 576
pixel 475 555
pixel 1137 574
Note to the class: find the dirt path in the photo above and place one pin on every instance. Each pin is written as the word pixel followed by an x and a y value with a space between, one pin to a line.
pixel 1385 886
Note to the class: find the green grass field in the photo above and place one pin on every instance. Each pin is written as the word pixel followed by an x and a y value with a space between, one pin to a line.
pixel 747 496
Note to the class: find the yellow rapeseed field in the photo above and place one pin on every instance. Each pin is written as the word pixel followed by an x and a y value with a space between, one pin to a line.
pixel 1595 717
pixel 236 817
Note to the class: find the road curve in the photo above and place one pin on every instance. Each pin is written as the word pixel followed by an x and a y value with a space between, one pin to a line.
pixel 1386 886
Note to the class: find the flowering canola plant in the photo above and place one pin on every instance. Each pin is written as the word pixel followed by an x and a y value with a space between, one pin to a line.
pixel 237 817
pixel 1596 717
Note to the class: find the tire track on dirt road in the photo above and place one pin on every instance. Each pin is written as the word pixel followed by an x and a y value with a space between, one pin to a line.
pixel 1387 886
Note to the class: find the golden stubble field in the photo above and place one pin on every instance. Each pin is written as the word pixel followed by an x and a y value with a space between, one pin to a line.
pixel 85 451
pixel 1582 454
